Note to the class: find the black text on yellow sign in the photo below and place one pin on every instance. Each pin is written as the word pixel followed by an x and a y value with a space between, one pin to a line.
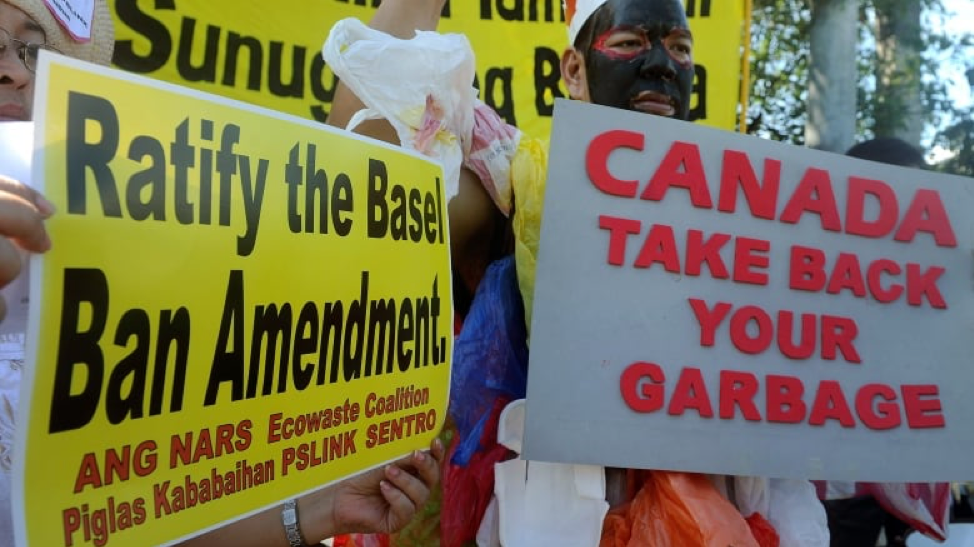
pixel 272 57
pixel 242 299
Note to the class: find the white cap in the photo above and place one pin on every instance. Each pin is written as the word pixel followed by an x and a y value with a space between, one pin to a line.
pixel 577 12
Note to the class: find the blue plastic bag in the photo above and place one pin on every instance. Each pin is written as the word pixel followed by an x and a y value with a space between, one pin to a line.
pixel 490 356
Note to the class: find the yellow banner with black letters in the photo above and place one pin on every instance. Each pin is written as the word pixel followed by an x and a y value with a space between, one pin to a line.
pixel 270 53
pixel 240 306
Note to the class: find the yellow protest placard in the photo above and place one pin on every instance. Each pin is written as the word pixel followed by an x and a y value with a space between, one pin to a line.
pixel 271 56
pixel 240 306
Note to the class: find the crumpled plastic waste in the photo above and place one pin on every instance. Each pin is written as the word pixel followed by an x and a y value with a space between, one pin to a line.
pixel 490 358
pixel 423 86
pixel 925 506
pixel 675 508
pixel 542 504
pixel 797 514
pixel 468 489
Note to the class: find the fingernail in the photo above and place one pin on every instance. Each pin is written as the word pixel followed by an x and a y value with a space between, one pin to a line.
pixel 437 444
pixel 420 457
pixel 44 206
pixel 385 485
pixel 393 471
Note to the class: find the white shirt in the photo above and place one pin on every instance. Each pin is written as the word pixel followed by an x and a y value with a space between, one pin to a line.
pixel 11 365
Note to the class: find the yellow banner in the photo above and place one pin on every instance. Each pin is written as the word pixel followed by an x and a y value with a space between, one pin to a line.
pixel 269 54
pixel 240 306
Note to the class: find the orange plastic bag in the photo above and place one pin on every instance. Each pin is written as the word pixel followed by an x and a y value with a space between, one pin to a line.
pixel 680 509
pixel 616 527
pixel 762 530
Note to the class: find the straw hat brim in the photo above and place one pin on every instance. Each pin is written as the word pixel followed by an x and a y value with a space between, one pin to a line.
pixel 98 49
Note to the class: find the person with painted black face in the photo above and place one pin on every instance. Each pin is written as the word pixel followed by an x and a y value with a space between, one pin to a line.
pixel 630 54
pixel 382 499
pixel 634 55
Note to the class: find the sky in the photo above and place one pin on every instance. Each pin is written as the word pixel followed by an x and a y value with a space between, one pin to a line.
pixel 958 89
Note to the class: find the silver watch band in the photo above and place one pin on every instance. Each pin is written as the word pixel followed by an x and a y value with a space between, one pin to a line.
pixel 289 516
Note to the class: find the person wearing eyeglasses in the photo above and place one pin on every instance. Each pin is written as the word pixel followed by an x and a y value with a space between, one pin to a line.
pixel 26 27
pixel 381 500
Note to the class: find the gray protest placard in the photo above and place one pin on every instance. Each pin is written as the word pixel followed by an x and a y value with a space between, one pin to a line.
pixel 713 302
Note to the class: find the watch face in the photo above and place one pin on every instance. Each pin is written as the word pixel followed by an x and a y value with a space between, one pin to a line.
pixel 290 517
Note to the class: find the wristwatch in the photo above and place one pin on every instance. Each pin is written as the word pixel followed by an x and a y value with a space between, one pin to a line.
pixel 289 516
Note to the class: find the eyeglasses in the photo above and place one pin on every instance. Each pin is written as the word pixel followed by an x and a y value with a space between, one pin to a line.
pixel 26 51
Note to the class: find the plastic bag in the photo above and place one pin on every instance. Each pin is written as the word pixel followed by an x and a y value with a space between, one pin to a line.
pixel 493 145
pixel 528 172
pixel 924 506
pixel 616 529
pixel 541 503
pixel 489 370
pixel 490 358
pixel 361 540
pixel 676 509
pixel 422 86
pixel 753 498
pixel 762 530
pixel 752 495
pixel 488 535
pixel 468 489
pixel 797 514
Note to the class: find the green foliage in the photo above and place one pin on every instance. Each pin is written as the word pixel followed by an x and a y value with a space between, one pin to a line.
pixel 779 70
pixel 779 74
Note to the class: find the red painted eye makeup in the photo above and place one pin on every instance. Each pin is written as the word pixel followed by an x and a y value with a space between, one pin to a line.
pixel 622 43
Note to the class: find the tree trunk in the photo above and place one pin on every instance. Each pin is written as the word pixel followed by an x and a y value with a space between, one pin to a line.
pixel 898 109
pixel 832 85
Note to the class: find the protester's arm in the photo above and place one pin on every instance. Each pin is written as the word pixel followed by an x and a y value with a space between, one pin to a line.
pixel 382 500
pixel 472 218
pixel 22 214
pixel 399 18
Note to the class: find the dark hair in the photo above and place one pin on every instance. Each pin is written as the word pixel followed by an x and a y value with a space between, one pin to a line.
pixel 888 150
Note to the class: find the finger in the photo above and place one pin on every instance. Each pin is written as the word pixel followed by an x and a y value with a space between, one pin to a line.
pixel 415 487
pixel 428 463
pixel 45 207
pixel 401 505
pixel 21 220
pixel 9 262
pixel 437 449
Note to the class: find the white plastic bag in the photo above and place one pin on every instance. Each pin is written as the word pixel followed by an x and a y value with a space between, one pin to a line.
pixel 752 495
pixel 924 506
pixel 489 535
pixel 423 86
pixel 797 514
pixel 542 504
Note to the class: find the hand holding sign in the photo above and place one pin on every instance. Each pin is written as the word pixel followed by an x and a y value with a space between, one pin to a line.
pixel 282 368
pixel 382 500
pixel 803 310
